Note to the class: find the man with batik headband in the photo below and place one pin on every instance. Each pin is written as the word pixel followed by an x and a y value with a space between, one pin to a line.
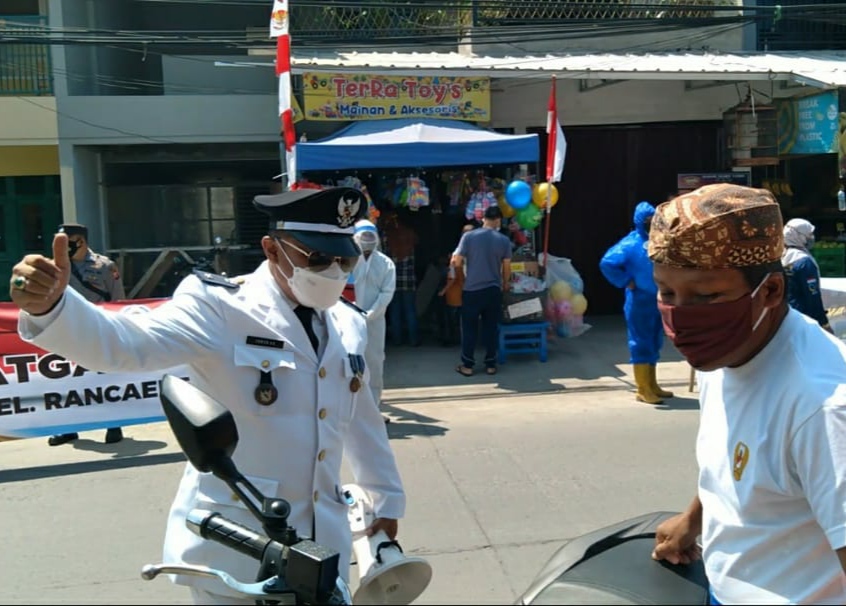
pixel 771 446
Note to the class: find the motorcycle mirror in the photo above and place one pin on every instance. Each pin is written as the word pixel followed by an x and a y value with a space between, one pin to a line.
pixel 204 428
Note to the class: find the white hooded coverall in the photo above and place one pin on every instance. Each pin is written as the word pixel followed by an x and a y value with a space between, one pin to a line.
pixel 375 282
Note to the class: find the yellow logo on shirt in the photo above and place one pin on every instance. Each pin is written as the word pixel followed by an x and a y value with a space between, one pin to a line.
pixel 741 458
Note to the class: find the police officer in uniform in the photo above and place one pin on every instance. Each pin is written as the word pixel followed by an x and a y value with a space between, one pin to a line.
pixel 95 277
pixel 279 347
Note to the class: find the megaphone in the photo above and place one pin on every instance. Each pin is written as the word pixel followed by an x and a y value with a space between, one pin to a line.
pixel 386 575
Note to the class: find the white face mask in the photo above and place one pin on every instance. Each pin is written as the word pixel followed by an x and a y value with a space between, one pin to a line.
pixel 318 290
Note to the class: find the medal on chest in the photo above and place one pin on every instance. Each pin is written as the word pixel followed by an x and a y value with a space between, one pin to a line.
pixel 357 366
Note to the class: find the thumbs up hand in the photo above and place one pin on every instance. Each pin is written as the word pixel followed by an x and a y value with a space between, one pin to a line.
pixel 37 282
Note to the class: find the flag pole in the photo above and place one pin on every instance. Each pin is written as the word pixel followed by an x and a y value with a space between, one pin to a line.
pixel 279 28
pixel 546 224
pixel 549 163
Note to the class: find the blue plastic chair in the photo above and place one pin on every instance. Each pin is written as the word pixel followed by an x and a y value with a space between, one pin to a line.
pixel 528 337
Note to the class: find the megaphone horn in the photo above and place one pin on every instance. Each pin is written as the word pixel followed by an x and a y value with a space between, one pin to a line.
pixel 386 575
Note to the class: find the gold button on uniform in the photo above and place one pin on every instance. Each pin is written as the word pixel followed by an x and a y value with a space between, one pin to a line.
pixel 322 372
pixel 315 496
pixel 322 413
pixel 265 363
pixel 321 455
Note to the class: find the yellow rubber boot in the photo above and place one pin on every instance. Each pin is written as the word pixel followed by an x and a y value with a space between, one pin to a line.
pixel 656 389
pixel 643 381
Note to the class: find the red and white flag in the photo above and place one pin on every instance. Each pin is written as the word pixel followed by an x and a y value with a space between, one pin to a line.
pixel 280 18
pixel 556 146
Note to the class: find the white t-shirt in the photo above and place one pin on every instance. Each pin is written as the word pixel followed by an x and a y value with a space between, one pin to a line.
pixel 772 471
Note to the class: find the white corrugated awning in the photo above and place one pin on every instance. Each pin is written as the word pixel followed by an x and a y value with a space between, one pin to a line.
pixel 821 69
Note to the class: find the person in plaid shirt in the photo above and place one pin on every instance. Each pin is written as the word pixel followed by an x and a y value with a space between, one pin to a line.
pixel 400 241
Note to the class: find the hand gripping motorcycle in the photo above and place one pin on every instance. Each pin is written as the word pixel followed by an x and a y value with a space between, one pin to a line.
pixel 292 570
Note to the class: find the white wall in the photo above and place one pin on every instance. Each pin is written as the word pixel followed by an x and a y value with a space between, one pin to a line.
pixel 521 103
pixel 28 121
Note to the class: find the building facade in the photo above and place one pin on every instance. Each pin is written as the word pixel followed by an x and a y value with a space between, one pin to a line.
pixel 160 122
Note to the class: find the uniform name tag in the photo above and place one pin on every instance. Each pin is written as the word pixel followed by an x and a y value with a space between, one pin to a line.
pixel 264 342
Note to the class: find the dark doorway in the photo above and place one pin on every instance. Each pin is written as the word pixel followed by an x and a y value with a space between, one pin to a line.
pixel 608 170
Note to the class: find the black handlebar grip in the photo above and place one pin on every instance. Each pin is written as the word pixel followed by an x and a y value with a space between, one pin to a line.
pixel 240 538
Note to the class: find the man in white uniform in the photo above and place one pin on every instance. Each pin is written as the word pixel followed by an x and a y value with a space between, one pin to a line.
pixel 375 279
pixel 275 346
pixel 771 449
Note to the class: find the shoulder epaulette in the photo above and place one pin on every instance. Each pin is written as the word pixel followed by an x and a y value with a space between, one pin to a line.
pixel 215 279
pixel 353 305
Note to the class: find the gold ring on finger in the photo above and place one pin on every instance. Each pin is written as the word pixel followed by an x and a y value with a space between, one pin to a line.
pixel 19 282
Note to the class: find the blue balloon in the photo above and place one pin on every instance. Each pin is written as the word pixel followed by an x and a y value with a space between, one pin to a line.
pixel 518 194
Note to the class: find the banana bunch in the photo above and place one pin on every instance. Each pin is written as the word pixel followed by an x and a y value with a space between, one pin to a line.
pixel 778 187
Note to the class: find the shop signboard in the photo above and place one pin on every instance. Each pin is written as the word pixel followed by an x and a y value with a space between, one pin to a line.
pixel 343 97
pixel 686 182
pixel 809 125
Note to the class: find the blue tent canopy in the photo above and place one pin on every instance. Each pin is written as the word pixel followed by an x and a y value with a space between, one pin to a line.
pixel 408 143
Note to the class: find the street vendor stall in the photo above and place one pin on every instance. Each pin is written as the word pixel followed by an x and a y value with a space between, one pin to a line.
pixel 442 174
pixel 406 143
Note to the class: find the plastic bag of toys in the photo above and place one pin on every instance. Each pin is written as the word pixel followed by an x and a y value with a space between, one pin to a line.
pixel 566 303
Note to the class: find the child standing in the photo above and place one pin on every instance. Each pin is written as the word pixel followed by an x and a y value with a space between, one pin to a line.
pixel 453 284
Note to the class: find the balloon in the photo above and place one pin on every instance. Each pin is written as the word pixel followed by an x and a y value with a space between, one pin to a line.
pixel 560 291
pixel 518 194
pixel 563 310
pixel 529 217
pixel 549 310
pixel 539 193
pixel 506 209
pixel 579 304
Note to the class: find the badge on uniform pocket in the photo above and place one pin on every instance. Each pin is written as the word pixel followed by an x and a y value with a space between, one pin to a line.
pixel 266 392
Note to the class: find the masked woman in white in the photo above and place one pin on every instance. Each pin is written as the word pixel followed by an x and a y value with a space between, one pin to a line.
pixel 375 279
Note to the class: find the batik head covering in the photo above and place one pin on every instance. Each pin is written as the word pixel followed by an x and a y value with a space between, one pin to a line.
pixel 717 227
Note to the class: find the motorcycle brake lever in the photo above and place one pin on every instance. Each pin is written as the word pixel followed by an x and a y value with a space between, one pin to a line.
pixel 248 590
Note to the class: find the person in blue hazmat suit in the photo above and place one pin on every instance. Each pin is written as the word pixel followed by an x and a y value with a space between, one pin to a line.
pixel 802 271
pixel 375 280
pixel 626 265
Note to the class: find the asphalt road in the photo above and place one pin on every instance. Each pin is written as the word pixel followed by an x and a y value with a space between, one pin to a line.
pixel 500 472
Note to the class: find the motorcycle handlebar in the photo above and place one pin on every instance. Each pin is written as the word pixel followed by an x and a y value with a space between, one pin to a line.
pixel 215 527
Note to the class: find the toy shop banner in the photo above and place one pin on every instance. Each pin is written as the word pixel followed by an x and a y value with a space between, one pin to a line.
pixel 339 97
pixel 42 393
